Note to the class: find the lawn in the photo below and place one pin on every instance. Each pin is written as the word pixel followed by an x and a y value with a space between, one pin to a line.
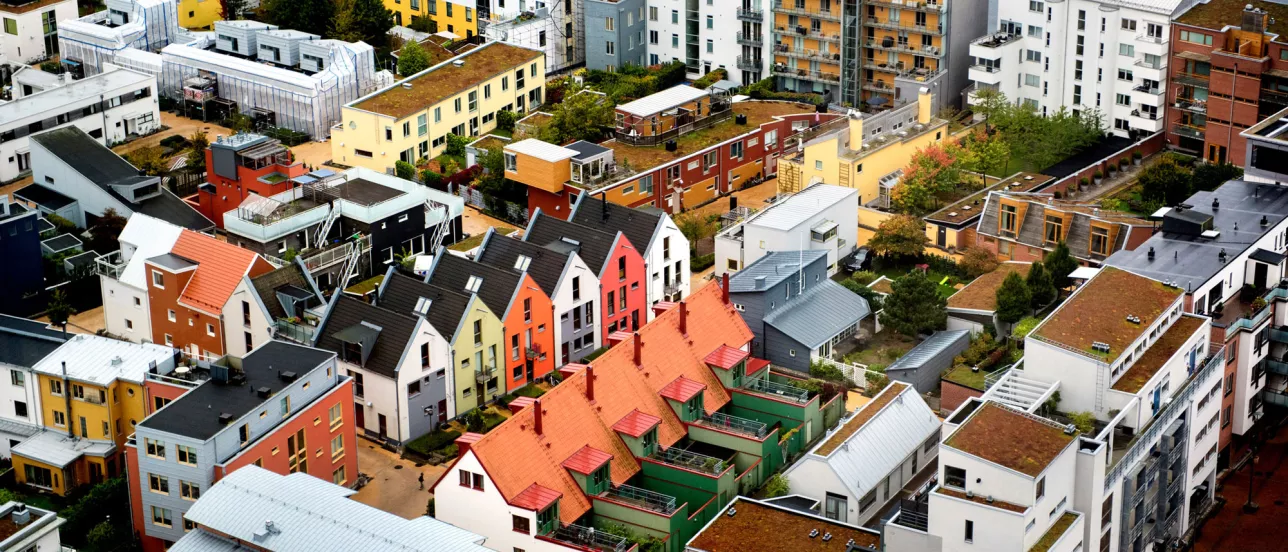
pixel 364 287
pixel 477 239
pixel 881 350
pixel 945 283
pixel 962 375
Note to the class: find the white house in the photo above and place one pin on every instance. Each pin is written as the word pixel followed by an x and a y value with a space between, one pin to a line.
pixel 22 344
pixel 821 216
pixel 653 233
pixel 110 107
pixel 30 32
pixel 123 279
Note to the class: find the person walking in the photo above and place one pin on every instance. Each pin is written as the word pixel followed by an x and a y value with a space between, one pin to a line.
pixel 422 481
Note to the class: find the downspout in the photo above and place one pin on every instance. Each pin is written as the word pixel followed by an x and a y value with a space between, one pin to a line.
pixel 1229 136
pixel 397 403
pixel 67 398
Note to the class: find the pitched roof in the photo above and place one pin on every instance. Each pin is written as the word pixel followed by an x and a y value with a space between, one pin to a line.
pixel 401 293
pixel 981 293
pixel 638 225
pixel 795 210
pixel 861 417
pixel 546 265
pixel 593 246
pixel 498 286
pixel 24 342
pixel 682 389
pixel 1011 438
pixel 396 330
pixel 536 498
pixel 1148 363
pixel 220 267
pixel 824 310
pixel 636 423
pixel 1098 312
pixel 749 524
pixel 515 457
pixel 150 237
pixel 726 357
pixel 945 342
pixel 1032 229
pixel 774 267
pixel 102 360
pixel 268 283
pixel 587 460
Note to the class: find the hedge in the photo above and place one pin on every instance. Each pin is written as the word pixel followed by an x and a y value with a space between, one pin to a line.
pixel 430 442
pixel 702 262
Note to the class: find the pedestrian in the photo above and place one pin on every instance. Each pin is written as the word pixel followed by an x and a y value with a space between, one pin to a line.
pixel 422 481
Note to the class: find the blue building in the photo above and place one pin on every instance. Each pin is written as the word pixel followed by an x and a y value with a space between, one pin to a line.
pixel 23 278
pixel 795 311
pixel 615 32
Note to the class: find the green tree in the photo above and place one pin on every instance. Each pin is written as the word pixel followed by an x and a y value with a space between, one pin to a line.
pixel 196 158
pixel 579 117
pixel 412 59
pixel 431 179
pixel 914 306
pixel 695 227
pixel 505 120
pixel 978 261
pixel 310 16
pixel 456 145
pixel 932 170
pixel 1013 299
pixel 404 170
pixel 1059 263
pixel 148 160
pixel 1165 181
pixel 1208 176
pixel 59 309
pixel 107 231
pixel 988 155
pixel 777 486
pixel 1041 289
pixel 231 10
pixel 899 235
pixel 365 20
pixel 993 105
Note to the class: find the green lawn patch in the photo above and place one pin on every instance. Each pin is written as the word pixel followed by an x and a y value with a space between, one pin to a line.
pixel 477 240
pixel 366 286
pixel 962 375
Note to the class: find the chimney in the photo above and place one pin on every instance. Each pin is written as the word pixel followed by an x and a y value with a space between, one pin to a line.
pixel 760 282
pixel 536 416
pixel 464 442
pixel 1254 20
pixel 604 210
pixel 590 383
pixel 639 348
pixel 684 318
pixel 21 515
pixel 856 128
pixel 924 108
pixel 724 286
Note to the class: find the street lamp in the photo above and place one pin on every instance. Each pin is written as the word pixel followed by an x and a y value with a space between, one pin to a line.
pixel 1251 507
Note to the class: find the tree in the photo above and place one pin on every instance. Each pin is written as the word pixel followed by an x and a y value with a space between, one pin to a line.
pixel 59 309
pixel 695 227
pixel 988 155
pixel 1165 181
pixel 932 170
pixel 1208 176
pixel 107 231
pixel 412 59
pixel 404 170
pixel 505 120
pixel 777 486
pixel 362 20
pixel 992 104
pixel 1042 292
pixel 899 235
pixel 456 145
pixel 579 117
pixel 1060 264
pixel 231 10
pixel 1013 299
pixel 914 306
pixel 196 158
pixel 148 160
pixel 977 261
pixel 310 16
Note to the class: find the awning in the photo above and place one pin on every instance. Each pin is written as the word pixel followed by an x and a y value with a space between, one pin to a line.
pixel 1268 257
pixel 1193 56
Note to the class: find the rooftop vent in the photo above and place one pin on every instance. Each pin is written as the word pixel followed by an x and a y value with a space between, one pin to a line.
pixel 1221 256
pixel 1070 429
pixel 1151 253
pixel 1216 203
pixel 970 494
pixel 731 511
pixel 406 85
pixel 458 63
pixel 989 499
pixel 225 418
pixel 287 376
pixel 21 515
pixel 1100 347
pixel 827 537
pixel 813 533
pixel 116 361
pixel 264 392
pixel 952 214
pixel 1028 177
pixel 1264 221
pixel 1133 319
pixel 1211 234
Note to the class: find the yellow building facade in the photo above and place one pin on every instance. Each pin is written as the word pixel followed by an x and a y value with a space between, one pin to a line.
pixel 411 119
pixel 456 17
pixel 900 39
pixel 477 354
pixel 199 14
pixel 807 44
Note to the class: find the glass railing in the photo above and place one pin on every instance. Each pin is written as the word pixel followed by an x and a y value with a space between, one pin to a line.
pixel 735 424
pixel 777 390
pixel 589 538
pixel 642 498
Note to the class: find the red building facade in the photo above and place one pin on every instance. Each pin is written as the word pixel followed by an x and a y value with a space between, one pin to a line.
pixel 241 165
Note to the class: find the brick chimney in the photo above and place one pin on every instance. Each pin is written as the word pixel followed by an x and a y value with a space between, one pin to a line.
pixel 590 383
pixel 684 318
pixel 724 285
pixel 464 442
pixel 639 349
pixel 536 416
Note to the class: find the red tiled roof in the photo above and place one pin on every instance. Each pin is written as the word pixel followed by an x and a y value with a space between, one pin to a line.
pixel 726 357
pixel 566 371
pixel 536 498
pixel 469 438
pixel 515 457
pixel 636 423
pixel 220 267
pixel 520 403
pixel 682 389
pixel 619 336
pixel 587 460
pixel 755 365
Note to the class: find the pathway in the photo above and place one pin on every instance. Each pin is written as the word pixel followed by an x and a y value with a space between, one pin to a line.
pixel 394 487
pixel 1232 529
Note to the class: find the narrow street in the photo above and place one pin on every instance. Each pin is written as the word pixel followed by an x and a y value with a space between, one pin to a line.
pixel 1232 529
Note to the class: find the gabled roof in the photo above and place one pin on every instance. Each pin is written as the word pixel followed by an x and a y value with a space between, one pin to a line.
pixel 546 266
pixel 593 246
pixel 1078 233
pixel 268 283
pixel 587 460
pixel 774 267
pixel 639 225
pixel 498 288
pixel 396 331
pixel 150 237
pixel 824 310
pixel 515 457
pixel 400 293
pixel 536 498
pixel 636 423
pixel 220 267
pixel 726 357
pixel 1098 312
pixel 1010 438
pixel 682 389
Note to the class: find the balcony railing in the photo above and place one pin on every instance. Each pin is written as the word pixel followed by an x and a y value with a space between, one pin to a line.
pixel 589 538
pixel 690 460
pixel 642 498
pixel 735 424
pixel 805 74
pixel 1191 79
pixel 749 14
pixel 1278 335
pixel 1147 89
pixel 904 47
pixel 777 390
pixel 751 64
pixel 485 374
pixel 1161 66
pixel 901 26
pixel 791 9
pixel 1188 131
pixel 1152 39
pixel 720 111
pixel 995 40
pixel 110 265
pixel 807 53
pixel 748 39
pixel 299 333
pixel 1144 114
pixel 1276 398
pixel 807 33
pixel 878 86
pixel 916 5
pixel 986 68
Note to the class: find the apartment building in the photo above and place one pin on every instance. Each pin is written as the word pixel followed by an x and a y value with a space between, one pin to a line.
pixel 1226 62
pixel 658 434
pixel 283 407
pixel 88 44
pixel 243 165
pixel 30 31
pixel 821 216
pixel 707 36
pixel 88 399
pixel 23 343
pixel 459 17
pixel 1025 226
pixel 1266 145
pixel 110 107
pixel 555 28
pixel 615 34
pixel 778 525
pixel 411 119
pixel 24 280
pixel 1110 57
pixel 297 513
pixel 659 241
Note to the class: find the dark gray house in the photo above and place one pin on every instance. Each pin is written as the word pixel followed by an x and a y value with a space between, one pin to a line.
pixel 614 33
pixel 795 311
pixel 922 365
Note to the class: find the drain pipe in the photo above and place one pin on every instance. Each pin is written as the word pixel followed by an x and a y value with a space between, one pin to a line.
pixel 67 397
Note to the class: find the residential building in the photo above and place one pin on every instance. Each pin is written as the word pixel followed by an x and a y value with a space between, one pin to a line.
pixel 244 165
pixel 819 217
pixel 546 168
pixel 765 524
pixel 124 280
pixel 860 469
pixel 73 163
pixel 1025 226
pixel 573 288
pixel 658 434
pixel 616 263
pixel 23 343
pixel 1086 56
pixel 291 299
pixel 410 120
pixel 297 513
pixel 24 280
pixel 525 311
pixel 110 107
pixel 30 31
pixel 708 36
pixel 796 313
pixel 458 17
pixel 953 228
pixel 30 528
pixel 556 29
pixel 1226 59
pixel 660 242
pixel 974 307
pixel 1224 270
pixel 196 14
pixel 923 364
pixel 128 32
pixel 1265 144
pixel 264 409
pixel 90 398
pixel 873 164
pixel 615 34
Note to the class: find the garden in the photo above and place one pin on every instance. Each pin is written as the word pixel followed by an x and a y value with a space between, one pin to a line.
pixel 1169 181
pixel 439 446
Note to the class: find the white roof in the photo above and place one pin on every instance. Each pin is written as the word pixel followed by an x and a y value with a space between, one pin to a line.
pixel 796 209
pixel 661 101
pixel 109 83
pixel 544 151
pixel 309 514
pixel 150 237
pixel 1084 273
pixel 101 360
pixel 59 449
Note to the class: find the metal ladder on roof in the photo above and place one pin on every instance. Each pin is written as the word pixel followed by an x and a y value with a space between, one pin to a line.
pixel 352 264
pixel 440 230
pixel 325 229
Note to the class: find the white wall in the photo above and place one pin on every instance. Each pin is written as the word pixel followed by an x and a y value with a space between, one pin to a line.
pixel 379 392
pixel 563 302
pixel 119 306
pixel 260 328
pixel 665 29
pixel 11 394
pixel 51 171
pixel 485 512
pixel 656 261
pixel 410 370
pixel 29 44
pixel 758 240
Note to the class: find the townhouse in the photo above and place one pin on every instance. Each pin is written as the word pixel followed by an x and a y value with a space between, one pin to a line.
pixel 89 399
pixel 291 299
pixel 21 230
pixel 30 31
pixel 295 513
pixel 658 434
pixel 283 407
pixel 955 227
pixel 820 217
pixel 1025 226
pixel 411 119
pixel 124 280
pixel 660 241
pixel 545 167
pixel 23 343
pixel 240 166
pixel 564 277
pixel 525 311
pixel 777 525
pixel 617 265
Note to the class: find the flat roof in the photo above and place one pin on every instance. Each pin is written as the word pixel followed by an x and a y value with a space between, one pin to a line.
pixel 48 198
pixel 1010 438
pixel 58 449
pixel 749 524
pixel 544 151
pixel 972 205
pixel 658 102
pixel 23 6
pixel 981 293
pixel 1217 14
pixel 102 360
pixel 364 192
pixel 61 242
pixel 1162 349
pixel 440 82
pixel 1099 311
pixel 789 213
pixel 40 103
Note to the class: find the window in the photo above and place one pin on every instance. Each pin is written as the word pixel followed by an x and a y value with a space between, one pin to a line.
pixel 478 332
pixel 186 455
pixel 60 419
pixel 11 26
pixel 610 47
pixel 285 404
pixel 955 477
pixel 157 279
pixel 609 23
pixel 158 484
pixel 1128 24
pixel 1122 99
pixel 621 269
pixel 1041 488
pixel 337 447
pixel 297 453
pixel 56 387
pixel 161 516
pixel 1053 230
pixel 334 414
pixel 20 409
pixel 243 434
pixel 970 531
pixel 17 378
pixel 155 449
pixel 1007 220
pixel 1197 38
pixel 1032 80
pixel 520 524
pixel 1127 50
pixel 189 491
pixel 576 288
pixel 511 162
pixel 339 476
pixel 1099 241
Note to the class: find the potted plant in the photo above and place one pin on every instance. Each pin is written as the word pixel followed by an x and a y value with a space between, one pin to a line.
pixel 1111 169
pixel 1098 176
pixel 1122 164
pixel 1083 182
pixel 1135 157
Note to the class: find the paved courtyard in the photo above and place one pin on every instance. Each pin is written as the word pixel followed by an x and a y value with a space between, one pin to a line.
pixel 393 486
pixel 1234 530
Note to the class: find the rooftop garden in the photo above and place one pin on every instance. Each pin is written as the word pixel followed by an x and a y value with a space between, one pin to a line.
pixel 477 239
pixel 1169 179
pixel 981 358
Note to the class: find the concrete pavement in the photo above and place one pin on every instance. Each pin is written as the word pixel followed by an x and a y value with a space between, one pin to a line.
pixel 394 487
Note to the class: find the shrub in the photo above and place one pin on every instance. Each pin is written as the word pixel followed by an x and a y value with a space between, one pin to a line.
pixel 1084 421
pixel 977 261
pixel 456 145
pixel 431 178
pixel 709 79
pixel 776 486
pixel 473 421
pixel 1024 326
pixel 433 441
pixel 825 371
pixel 404 170
pixel 864 277
pixel 1099 174
pixel 505 120
pixel 702 262
pixel 1135 154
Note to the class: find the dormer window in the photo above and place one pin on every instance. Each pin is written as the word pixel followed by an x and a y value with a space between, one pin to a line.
pixel 473 284
pixel 648 442
pixel 353 352
pixel 422 305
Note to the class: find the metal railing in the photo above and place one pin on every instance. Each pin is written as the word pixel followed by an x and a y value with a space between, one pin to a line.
pixel 827 15
pixel 807 53
pixel 916 5
pixel 1152 39
pixel 110 265
pixel 1160 66
pixel 299 333
pixel 643 498
pixel 878 86
pixel 777 390
pixel 690 460
pixel 986 68
pixel 589 538
pixel 748 14
pixel 1278 335
pixel 1189 131
pixel 484 374
pixel 750 39
pixel 991 379
pixel 724 113
pixel 904 47
pixel 735 424
pixel 995 40
pixel 807 33
pixel 901 26
pixel 1147 89
pixel 1191 79
pixel 752 64
pixel 806 74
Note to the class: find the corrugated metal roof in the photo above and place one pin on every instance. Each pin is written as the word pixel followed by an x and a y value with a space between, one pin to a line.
pixel 59 449
pixel 661 101
pixel 795 210
pixel 310 514
pixel 775 267
pixel 101 360
pixel 820 313
pixel 938 343
pixel 200 541
pixel 544 151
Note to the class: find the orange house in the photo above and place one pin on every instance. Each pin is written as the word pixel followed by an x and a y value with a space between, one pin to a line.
pixel 525 310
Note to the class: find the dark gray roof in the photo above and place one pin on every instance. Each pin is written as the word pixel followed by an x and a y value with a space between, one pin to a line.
pixel 43 226
pixel 820 313
pixel 1077 236
pixel 593 246
pixel 638 226
pixel 949 342
pixel 498 287
pixel 61 242
pixel 48 198
pixel 401 293
pixel 365 192
pixel 87 156
pixel 172 261
pixel 1268 257
pixel 196 413
pixel 289 276
pixel 546 267
pixel 396 329
pixel 24 342
pixel 586 150
pixel 775 267
pixel 1189 260
pixel 15 210
pixel 170 208
pixel 82 260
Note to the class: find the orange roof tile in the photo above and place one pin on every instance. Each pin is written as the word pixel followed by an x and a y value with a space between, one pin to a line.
pixel 220 267
pixel 682 389
pixel 587 460
pixel 536 498
pixel 515 457
pixel 726 357
pixel 636 423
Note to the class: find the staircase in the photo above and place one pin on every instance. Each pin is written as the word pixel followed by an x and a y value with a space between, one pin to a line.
pixel 325 228
pixel 351 266
pixel 440 230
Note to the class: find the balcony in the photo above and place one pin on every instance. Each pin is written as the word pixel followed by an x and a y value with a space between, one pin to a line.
pixel 734 424
pixel 892 45
pixel 1154 45
pixel 878 86
pixel 720 111
pixel 1191 79
pixel 1188 131
pixel 1192 106
pixel 589 538
pixel 805 74
pixel 1144 120
pixel 825 15
pixel 1275 398
pixel 1147 95
pixel 985 74
pixel 751 64
pixel 299 333
pixel 1279 335
pixel 482 376
pixel 901 26
pixel 750 14
pixel 642 498
pixel 914 5
pixel 778 391
pixel 689 460
pixel 748 39
pixel 805 32
pixel 1153 71
pixel 806 53
pixel 987 47
pixel 110 265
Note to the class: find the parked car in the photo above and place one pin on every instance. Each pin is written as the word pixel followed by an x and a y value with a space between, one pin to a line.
pixel 860 259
